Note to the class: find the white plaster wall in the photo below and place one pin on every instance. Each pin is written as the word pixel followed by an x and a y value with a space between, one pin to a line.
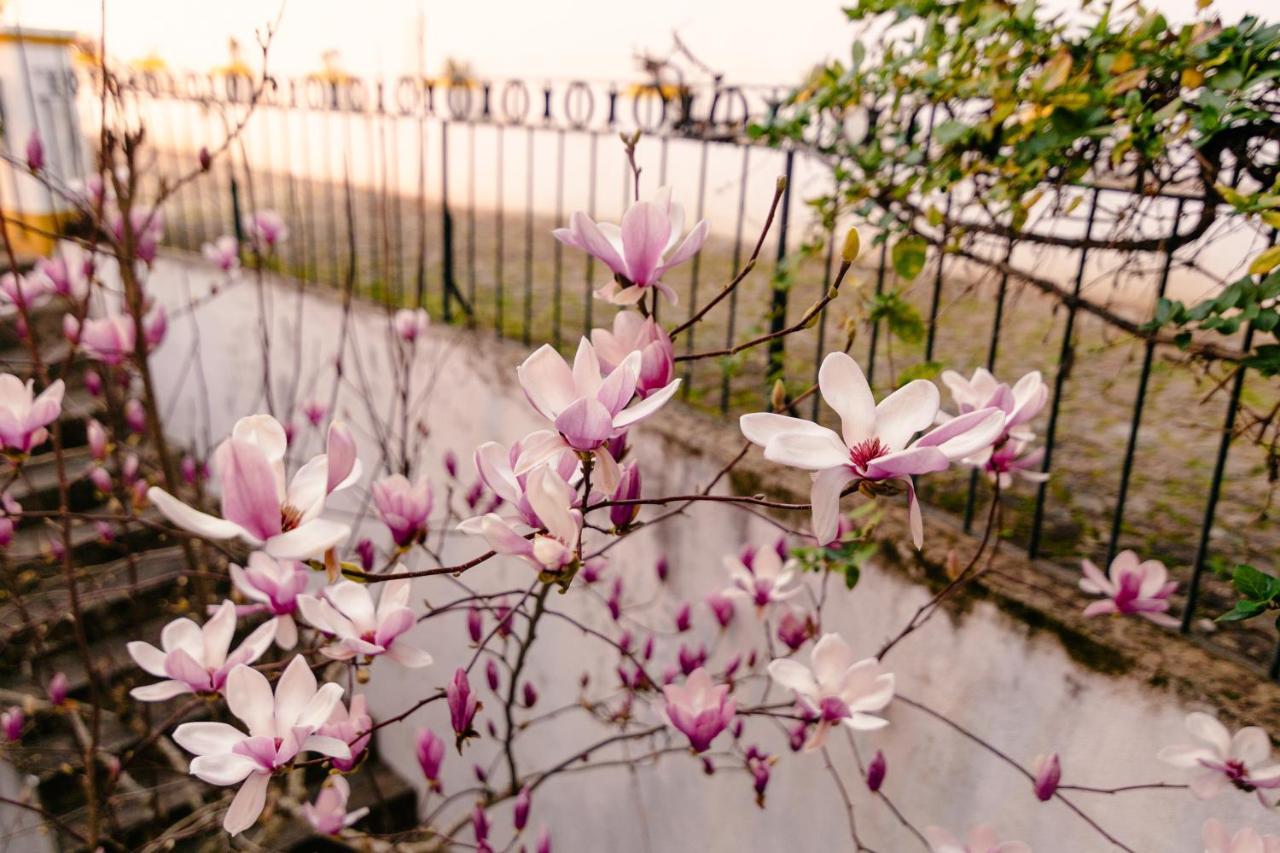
pixel 985 671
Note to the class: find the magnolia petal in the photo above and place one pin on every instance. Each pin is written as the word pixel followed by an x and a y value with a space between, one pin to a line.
pixel 148 657
pixel 844 387
pixel 647 406
pixel 248 804
pixel 222 769
pixel 408 655
pixel 296 687
pixel 217 634
pixel 824 499
pixel 194 520
pixel 811 451
pixel 905 412
pixel 249 697
pixel 547 381
pixel 645 231
pixel 794 676
pixel 307 541
pixel 160 691
pixel 320 705
pixel 208 738
pixel 762 427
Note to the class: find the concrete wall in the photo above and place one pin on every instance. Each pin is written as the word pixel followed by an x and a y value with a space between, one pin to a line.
pixel 1024 689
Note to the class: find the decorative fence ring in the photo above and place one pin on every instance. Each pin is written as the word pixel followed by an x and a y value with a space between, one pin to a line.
pixel 729 96
pixel 645 95
pixel 408 95
pixel 459 100
pixel 515 102
pixel 579 94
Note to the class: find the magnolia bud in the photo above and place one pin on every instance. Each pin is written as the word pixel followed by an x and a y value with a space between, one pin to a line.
pixel 663 568
pixel 876 771
pixel 475 624
pixel 206 160
pixel 1048 772
pixel 57 688
pixel 35 152
pixel 684 617
pixel 491 674
pixel 530 694
pixel 852 243
pixel 520 817
pixel 778 397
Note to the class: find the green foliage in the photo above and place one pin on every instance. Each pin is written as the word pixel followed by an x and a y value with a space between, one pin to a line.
pixel 899 316
pixel 1248 300
pixel 1014 105
pixel 1259 593
pixel 850 553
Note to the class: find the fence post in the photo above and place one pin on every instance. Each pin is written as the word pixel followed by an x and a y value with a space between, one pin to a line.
pixel 446 225
pixel 778 302
pixel 237 224
pixel 1065 357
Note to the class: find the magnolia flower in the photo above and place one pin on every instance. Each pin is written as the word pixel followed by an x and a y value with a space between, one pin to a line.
pixel 410 324
pixel 1246 839
pixel 108 339
pixel 193 659
pixel 699 709
pixel 354 728
pixel 328 814
pixel 1130 587
pixel 224 252
pixel 634 333
pixel 256 504
pixel 56 275
pixel 274 585
pixel 11 723
pixel 280 727
pixel 875 442
pixel 768 580
pixel 496 466
pixel 837 689
pixel 24 415
pixel 551 499
pixel 403 507
pixel 1221 759
pixel 982 839
pixel 640 251
pixel 430 750
pixel 23 291
pixel 463 704
pixel 147 227
pixel 586 408
pixel 1008 454
pixel 266 230
pixel 346 612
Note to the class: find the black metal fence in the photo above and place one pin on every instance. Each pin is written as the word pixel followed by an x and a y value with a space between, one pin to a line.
pixel 442 193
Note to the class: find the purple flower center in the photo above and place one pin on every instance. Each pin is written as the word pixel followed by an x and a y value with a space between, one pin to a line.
pixel 865 452
pixel 833 709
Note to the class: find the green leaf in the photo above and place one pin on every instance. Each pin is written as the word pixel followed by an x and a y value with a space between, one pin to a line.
pixel 1243 610
pixel 1266 261
pixel 909 255
pixel 1255 585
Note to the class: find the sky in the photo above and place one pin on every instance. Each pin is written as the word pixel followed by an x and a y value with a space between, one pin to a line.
pixel 752 41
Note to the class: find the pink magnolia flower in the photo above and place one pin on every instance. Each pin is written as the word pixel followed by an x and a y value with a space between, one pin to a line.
pixel 634 333
pixel 836 688
pixel 108 339
pixel 224 252
pixel 193 658
pixel 875 444
pixel 273 585
pixel 266 230
pixel 404 507
pixel 640 251
pixel 56 275
pixel 345 612
pixel 353 727
pixel 699 709
pixel 1246 839
pixel 57 688
pixel 1009 454
pixel 430 748
pixel 257 506
pixel 280 727
pixel 463 704
pixel 11 723
pixel 1220 759
pixel 496 466
pixel 410 324
pixel 1130 587
pixel 22 290
pixel 328 815
pixel 147 227
pixel 551 499
pixel 24 416
pixel 586 408
pixel 768 580
pixel 982 839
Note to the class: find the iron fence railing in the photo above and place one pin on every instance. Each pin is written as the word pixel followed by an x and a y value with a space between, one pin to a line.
pixel 440 194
